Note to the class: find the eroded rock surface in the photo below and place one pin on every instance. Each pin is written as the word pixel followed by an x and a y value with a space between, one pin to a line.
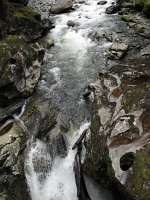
pixel 117 148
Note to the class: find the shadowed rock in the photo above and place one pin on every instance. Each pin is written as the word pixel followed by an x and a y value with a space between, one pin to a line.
pixel 60 145
pixel 82 193
pixel 112 9
pixel 101 2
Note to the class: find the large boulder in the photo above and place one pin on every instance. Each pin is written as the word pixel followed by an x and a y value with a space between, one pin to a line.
pixel 39 115
pixel 28 23
pixel 118 146
pixel 112 9
pixel 61 6
pixel 22 20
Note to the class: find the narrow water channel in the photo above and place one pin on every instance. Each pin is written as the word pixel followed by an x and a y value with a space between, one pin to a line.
pixel 75 61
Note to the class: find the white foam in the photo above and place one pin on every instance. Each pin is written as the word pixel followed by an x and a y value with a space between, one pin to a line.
pixel 60 182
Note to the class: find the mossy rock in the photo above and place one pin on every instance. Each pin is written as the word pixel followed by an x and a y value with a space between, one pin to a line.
pixel 139 4
pixel 139 183
pixel 146 9
pixel 27 13
pixel 133 95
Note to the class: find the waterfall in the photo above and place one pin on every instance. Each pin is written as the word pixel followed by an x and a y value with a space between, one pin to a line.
pixel 59 181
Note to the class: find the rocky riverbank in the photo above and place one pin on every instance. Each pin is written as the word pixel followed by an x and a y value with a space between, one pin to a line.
pixel 20 71
pixel 118 146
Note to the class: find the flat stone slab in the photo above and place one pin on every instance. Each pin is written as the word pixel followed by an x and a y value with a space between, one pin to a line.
pixel 117 50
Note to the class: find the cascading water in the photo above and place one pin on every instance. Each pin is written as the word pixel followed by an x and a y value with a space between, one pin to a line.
pixel 74 61
pixel 59 181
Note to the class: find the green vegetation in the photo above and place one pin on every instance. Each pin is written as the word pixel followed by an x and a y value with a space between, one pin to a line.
pixel 146 9
pixel 139 183
pixel 143 5
pixel 25 12
pixel 132 96
pixel 139 4
pixel 95 124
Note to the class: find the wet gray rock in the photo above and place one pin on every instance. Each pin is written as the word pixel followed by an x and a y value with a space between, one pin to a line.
pixel 40 115
pixel 112 9
pixel 50 43
pixel 71 23
pixel 61 6
pixel 117 50
pixel 100 34
pixel 12 144
pixel 101 2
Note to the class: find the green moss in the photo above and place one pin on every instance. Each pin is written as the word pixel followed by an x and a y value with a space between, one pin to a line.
pixel 13 40
pixel 133 95
pixel 146 9
pixel 25 12
pixel 140 180
pixel 95 124
pixel 139 4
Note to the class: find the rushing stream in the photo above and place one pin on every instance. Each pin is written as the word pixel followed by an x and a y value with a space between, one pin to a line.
pixel 74 61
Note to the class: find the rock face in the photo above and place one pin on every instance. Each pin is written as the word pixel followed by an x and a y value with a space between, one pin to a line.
pixel 120 127
pixel 20 64
pixel 12 144
pixel 61 6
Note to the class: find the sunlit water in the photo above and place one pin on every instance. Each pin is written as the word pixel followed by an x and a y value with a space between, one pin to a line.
pixel 74 61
